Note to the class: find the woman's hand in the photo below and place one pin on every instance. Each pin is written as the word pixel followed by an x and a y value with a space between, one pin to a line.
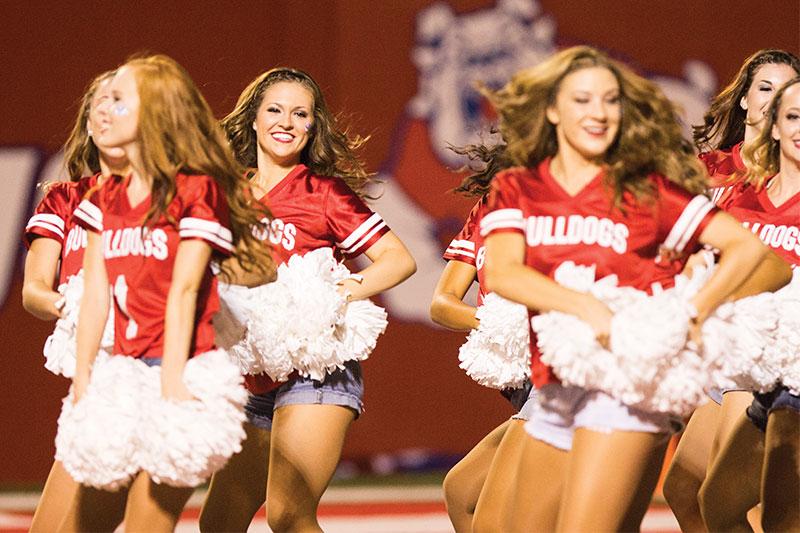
pixel 80 383
pixel 175 389
pixel 598 316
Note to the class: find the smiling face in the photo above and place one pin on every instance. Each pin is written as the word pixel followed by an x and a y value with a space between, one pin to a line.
pixel 768 78
pixel 98 121
pixel 123 113
pixel 787 125
pixel 283 122
pixel 587 112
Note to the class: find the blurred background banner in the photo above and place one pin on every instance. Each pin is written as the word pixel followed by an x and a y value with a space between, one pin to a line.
pixel 403 73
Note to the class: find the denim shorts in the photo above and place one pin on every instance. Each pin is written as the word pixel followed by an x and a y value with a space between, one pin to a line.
pixel 764 404
pixel 518 397
pixel 559 410
pixel 343 387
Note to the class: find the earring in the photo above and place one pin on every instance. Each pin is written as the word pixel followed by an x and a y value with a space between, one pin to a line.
pixel 89 131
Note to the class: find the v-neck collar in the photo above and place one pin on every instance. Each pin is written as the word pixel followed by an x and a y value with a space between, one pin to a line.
pixel 550 180
pixel 766 201
pixel 286 180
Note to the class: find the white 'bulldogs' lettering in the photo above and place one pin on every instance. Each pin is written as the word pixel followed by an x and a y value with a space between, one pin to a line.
pixel 280 232
pixel 777 236
pixel 577 229
pixel 76 240
pixel 131 241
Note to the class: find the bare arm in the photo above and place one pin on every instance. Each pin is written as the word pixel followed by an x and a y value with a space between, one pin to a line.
pixel 742 255
pixel 507 275
pixel 391 265
pixel 191 262
pixel 448 308
pixel 41 265
pixel 239 276
pixel 93 313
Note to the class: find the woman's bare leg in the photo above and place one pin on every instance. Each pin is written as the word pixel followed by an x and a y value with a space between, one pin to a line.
pixel 305 448
pixel 238 491
pixel 57 495
pixel 610 479
pixel 780 482
pixel 463 483
pixel 688 468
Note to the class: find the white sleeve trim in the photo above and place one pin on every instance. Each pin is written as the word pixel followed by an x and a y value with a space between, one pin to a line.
pixel 48 222
pixel 502 219
pixel 359 232
pixel 463 243
pixel 91 214
pixel 456 251
pixel 687 223
pixel 366 238
pixel 209 230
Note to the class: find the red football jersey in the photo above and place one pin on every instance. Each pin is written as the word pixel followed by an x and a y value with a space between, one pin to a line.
pixel 467 245
pixel 311 212
pixel 587 229
pixel 53 219
pixel 777 226
pixel 140 260
pixel 724 168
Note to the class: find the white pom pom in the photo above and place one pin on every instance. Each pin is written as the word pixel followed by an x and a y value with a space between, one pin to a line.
pixel 497 354
pixel 60 346
pixel 649 366
pixel 186 442
pixel 646 332
pixel 98 438
pixel 302 323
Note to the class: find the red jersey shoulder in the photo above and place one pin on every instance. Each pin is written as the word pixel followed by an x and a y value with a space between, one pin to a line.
pixel 201 209
pixel 464 246
pixel 724 167
pixel 52 217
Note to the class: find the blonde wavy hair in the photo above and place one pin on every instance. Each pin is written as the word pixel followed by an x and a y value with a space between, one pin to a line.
pixel 763 156
pixel 178 133
pixel 80 152
pixel 649 139
pixel 724 123
pixel 331 150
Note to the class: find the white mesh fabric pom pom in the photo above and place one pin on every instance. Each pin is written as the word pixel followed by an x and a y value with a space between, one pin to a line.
pixel 184 443
pixel 497 354
pixel 60 347
pixel 98 438
pixel 647 332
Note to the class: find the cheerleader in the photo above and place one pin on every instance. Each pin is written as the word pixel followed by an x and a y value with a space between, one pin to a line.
pixel 306 170
pixel 766 447
pixel 733 122
pixel 151 235
pixel 465 257
pixel 605 179
pixel 52 237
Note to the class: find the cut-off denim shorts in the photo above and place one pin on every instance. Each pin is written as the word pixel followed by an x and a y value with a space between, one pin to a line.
pixel 343 387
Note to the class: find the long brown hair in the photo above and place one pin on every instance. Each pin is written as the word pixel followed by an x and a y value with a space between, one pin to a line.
pixel 80 152
pixel 649 138
pixel 724 124
pixel 763 156
pixel 331 150
pixel 178 133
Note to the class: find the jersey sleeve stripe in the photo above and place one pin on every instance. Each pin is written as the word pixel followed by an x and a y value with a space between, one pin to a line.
pixel 687 223
pixel 90 214
pixel 207 226
pixel 206 236
pixel 502 218
pixel 464 244
pixel 54 220
pixel 37 221
pixel 366 226
pixel 366 238
pixel 455 251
